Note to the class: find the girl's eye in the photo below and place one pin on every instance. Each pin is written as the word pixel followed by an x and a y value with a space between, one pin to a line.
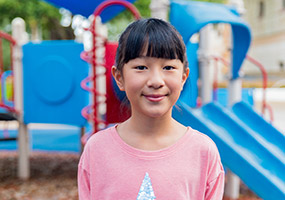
pixel 168 67
pixel 141 67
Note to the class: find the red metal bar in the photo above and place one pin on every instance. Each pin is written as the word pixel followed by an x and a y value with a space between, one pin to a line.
pixel 215 82
pixel 264 82
pixel 11 109
pixel 127 4
pixel 10 39
pixel 264 86
pixel 96 13
pixel 6 36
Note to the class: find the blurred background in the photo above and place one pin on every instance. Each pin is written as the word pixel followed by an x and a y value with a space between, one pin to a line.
pixel 53 173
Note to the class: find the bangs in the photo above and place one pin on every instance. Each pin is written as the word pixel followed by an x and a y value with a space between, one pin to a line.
pixel 151 38
pixel 147 41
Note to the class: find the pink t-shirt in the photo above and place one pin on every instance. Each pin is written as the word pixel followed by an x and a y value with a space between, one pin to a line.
pixel 110 169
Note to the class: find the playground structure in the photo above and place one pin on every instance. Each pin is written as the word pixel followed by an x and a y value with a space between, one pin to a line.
pixel 7 81
pixel 91 57
pixel 46 87
pixel 250 146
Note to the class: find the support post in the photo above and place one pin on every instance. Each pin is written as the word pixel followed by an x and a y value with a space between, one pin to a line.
pixel 232 187
pixel 204 65
pixel 82 132
pixel 20 35
pixel 234 91
pixel 23 149
pixel 159 9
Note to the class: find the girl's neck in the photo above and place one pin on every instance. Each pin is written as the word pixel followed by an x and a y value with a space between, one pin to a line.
pixel 150 126
pixel 151 133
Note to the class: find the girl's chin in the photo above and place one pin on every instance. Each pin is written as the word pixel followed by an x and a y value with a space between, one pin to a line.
pixel 158 114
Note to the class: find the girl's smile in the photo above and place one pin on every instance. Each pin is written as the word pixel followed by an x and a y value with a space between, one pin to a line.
pixel 154 97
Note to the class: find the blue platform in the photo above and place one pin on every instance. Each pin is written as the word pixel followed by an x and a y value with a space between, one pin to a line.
pixel 65 140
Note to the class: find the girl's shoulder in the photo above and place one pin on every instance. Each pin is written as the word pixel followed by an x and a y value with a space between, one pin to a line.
pixel 202 141
pixel 100 136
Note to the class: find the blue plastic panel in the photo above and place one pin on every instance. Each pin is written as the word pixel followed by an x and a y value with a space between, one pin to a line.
pixel 246 95
pixel 190 17
pixel 87 7
pixel 52 72
pixel 190 90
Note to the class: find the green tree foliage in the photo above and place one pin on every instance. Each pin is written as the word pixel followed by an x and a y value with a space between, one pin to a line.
pixel 39 16
pixel 6 55
pixel 120 22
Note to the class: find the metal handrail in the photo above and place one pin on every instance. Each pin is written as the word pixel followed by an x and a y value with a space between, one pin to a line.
pixel 264 86
pixel 91 112
pixel 12 42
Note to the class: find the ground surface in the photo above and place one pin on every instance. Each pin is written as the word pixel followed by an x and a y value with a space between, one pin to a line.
pixel 53 177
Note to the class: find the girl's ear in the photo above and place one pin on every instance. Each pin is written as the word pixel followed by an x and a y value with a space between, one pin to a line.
pixel 185 76
pixel 118 77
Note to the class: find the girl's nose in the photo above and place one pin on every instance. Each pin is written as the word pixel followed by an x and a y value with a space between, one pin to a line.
pixel 155 80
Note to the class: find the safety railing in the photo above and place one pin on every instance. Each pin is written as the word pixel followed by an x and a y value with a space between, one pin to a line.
pixel 4 75
pixel 264 87
pixel 5 102
pixel 90 112
pixel 217 60
pixel 265 105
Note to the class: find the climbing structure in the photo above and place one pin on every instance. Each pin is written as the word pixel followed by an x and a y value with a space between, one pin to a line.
pixel 91 112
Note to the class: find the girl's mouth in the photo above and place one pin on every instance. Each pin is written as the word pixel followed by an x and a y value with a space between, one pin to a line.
pixel 154 97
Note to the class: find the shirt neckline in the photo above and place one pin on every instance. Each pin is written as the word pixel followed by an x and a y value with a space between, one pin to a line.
pixel 156 154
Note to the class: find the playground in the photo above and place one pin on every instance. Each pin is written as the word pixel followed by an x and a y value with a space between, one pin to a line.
pixel 56 94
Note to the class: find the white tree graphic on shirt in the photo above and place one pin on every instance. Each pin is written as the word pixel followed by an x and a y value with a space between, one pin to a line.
pixel 146 191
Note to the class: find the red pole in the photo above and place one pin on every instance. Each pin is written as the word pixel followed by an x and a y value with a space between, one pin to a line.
pixel 96 13
pixel 264 85
pixel 215 83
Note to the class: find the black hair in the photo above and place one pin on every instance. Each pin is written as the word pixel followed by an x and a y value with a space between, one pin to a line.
pixel 155 37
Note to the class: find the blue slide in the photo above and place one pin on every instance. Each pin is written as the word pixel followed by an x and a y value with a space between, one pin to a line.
pixel 249 146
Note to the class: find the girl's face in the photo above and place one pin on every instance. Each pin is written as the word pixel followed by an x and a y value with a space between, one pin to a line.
pixel 152 85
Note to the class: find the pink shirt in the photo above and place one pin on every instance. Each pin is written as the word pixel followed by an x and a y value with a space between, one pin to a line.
pixel 110 169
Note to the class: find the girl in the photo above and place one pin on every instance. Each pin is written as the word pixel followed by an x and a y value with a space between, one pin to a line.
pixel 150 156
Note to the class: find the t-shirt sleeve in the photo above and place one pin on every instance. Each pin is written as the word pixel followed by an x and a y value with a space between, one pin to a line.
pixel 83 184
pixel 83 177
pixel 215 189
pixel 216 176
